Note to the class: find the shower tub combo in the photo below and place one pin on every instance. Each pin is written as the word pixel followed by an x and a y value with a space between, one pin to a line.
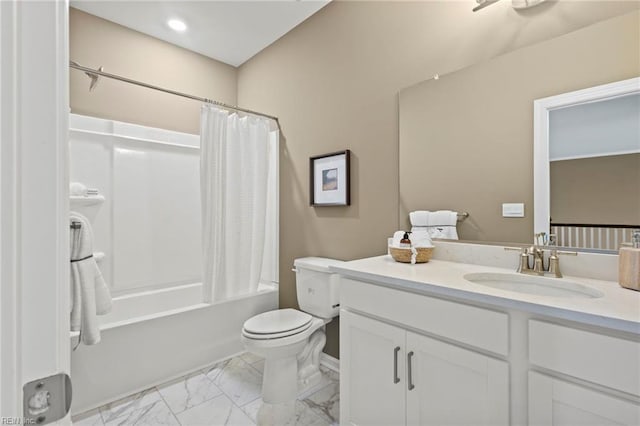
pixel 148 247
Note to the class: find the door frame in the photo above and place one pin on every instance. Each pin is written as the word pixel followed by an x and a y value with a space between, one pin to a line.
pixel 34 207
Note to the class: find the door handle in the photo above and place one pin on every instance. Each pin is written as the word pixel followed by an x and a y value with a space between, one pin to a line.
pixel 409 381
pixel 396 379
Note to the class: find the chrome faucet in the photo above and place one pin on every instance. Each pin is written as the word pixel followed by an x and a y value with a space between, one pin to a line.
pixel 536 251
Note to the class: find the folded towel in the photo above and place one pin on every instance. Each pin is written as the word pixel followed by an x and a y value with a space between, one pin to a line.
pixel 89 293
pixel 419 218
pixel 77 189
pixel 436 218
pixel 442 232
pixel 443 218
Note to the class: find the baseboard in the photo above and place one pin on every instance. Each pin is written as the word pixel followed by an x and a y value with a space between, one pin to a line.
pixel 330 362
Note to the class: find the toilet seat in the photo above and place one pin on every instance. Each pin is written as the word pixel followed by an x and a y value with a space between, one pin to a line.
pixel 276 324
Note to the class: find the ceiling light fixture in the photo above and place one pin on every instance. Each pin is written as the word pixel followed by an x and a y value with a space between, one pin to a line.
pixel 177 25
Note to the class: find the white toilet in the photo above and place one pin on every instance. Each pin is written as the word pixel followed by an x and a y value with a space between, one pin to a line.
pixel 289 340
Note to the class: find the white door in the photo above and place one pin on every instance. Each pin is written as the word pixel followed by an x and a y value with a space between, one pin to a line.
pixel 449 385
pixel 559 403
pixel 34 268
pixel 372 378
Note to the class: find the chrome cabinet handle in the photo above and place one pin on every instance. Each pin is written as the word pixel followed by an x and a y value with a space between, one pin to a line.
pixel 396 379
pixel 410 382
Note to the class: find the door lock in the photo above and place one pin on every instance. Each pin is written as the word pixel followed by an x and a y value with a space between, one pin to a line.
pixel 46 400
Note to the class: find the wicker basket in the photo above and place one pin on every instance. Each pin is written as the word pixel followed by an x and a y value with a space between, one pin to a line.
pixel 404 254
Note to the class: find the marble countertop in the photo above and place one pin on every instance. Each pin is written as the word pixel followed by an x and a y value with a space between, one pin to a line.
pixel 618 309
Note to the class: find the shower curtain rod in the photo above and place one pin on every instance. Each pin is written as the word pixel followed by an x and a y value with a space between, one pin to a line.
pixel 90 71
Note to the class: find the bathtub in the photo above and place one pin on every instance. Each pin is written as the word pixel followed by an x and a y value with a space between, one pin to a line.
pixel 154 336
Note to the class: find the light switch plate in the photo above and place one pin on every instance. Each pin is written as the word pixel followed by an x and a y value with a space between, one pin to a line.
pixel 512 209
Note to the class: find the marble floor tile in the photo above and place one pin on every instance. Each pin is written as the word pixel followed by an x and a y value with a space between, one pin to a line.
pixel 304 416
pixel 237 379
pixel 130 405
pixel 326 402
pixel 250 358
pixel 328 377
pixel 89 418
pixel 155 414
pixel 218 411
pixel 187 392
pixel 259 366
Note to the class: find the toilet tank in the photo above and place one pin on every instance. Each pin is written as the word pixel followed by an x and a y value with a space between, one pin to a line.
pixel 317 287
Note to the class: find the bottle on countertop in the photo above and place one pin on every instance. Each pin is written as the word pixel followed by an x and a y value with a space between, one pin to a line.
pixel 405 242
pixel 629 264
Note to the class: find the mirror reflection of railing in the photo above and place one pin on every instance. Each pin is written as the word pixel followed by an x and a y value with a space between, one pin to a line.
pixel 593 236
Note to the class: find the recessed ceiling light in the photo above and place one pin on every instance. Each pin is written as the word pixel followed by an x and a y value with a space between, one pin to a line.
pixel 177 25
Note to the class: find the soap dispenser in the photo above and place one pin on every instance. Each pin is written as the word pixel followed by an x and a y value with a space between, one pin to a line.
pixel 629 264
pixel 405 242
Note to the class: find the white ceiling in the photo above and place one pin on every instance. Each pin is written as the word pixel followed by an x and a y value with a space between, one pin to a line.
pixel 229 31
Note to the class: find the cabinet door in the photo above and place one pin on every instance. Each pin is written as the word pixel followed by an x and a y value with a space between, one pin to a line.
pixel 372 379
pixel 556 402
pixel 453 386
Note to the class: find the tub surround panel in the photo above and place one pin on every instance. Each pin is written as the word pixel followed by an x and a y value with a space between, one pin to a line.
pixel 149 224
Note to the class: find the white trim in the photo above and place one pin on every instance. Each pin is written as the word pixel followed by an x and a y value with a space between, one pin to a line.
pixel 330 362
pixel 598 155
pixel 10 400
pixel 34 223
pixel 541 108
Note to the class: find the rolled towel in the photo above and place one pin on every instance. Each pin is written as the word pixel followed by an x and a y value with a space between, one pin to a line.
pixel 421 238
pixel 77 189
pixel 397 236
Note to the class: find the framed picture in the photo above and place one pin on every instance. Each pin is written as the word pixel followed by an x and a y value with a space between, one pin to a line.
pixel 329 179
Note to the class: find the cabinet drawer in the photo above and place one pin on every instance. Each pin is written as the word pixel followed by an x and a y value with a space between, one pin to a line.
pixel 598 358
pixel 467 324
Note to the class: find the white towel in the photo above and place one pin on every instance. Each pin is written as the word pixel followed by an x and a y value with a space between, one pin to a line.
pixel 420 238
pixel 419 218
pixel 438 224
pixel 442 232
pixel 436 218
pixel 89 293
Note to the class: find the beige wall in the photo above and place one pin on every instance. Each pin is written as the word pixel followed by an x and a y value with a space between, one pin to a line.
pixel 466 140
pixel 601 190
pixel 334 82
pixel 95 42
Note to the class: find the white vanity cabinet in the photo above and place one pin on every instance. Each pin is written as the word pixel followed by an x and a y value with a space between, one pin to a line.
pixel 590 378
pixel 553 401
pixel 391 374
pixel 419 356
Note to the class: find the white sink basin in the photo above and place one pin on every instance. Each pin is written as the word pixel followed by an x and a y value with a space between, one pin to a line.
pixel 535 285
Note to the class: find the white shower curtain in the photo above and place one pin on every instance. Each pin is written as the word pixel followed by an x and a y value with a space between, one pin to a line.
pixel 234 168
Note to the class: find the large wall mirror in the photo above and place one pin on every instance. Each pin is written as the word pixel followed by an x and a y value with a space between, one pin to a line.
pixel 587 165
pixel 466 140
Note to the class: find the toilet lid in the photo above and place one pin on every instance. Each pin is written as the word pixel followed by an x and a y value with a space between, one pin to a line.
pixel 278 321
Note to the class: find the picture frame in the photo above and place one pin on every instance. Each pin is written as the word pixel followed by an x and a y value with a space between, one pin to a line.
pixel 329 179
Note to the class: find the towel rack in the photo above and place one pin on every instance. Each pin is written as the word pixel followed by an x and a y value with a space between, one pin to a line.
pixel 462 216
